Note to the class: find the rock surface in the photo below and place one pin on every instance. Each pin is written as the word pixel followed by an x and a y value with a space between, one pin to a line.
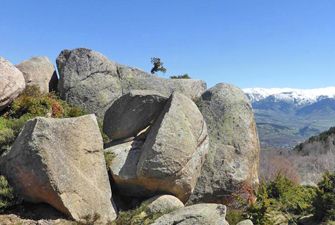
pixel 245 222
pixel 38 71
pixel 11 83
pixel 175 148
pixel 170 159
pixel 163 203
pixel 132 112
pixel 200 214
pixel 88 79
pixel 123 167
pixel 16 220
pixel 231 166
pixel 61 162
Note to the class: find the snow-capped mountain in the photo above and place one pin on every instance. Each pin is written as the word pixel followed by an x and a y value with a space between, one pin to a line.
pixel 287 116
pixel 297 96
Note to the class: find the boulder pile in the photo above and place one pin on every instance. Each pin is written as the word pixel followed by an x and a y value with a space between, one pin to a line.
pixel 171 142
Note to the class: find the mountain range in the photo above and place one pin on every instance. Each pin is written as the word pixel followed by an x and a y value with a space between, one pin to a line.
pixel 286 116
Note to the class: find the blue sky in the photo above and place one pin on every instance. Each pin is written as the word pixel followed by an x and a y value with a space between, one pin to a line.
pixel 249 43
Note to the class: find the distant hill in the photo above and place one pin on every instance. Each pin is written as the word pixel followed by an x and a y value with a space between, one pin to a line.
pixel 286 117
pixel 315 156
pixel 318 144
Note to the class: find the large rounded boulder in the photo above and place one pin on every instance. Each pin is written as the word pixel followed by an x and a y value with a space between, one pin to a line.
pixel 89 80
pixel 170 158
pixel 60 162
pixel 11 83
pixel 230 172
pixel 40 72
pixel 132 113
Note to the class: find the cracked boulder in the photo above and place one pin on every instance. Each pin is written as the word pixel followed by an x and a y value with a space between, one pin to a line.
pixel 40 72
pixel 200 214
pixel 230 172
pixel 132 113
pixel 170 159
pixel 89 80
pixel 60 162
pixel 11 83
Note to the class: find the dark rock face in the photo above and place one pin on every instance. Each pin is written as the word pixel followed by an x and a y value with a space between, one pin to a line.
pixel 132 113
pixel 171 157
pixel 231 166
pixel 61 162
pixel 40 72
pixel 88 79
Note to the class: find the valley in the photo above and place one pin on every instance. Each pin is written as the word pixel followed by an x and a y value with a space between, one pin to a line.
pixel 286 117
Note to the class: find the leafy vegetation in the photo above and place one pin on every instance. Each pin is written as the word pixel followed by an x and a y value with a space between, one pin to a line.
pixel 138 216
pixel 89 220
pixel 324 202
pixel 281 197
pixel 157 65
pixel 109 156
pixel 7 197
pixel 184 76
pixel 234 216
pixel 30 104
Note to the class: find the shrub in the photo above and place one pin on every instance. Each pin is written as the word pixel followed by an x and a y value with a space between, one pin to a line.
pixel 235 216
pixel 30 104
pixel 184 76
pixel 324 202
pixel 258 210
pixel 138 216
pixel 281 196
pixel 89 220
pixel 7 198
pixel 109 156
pixel 291 197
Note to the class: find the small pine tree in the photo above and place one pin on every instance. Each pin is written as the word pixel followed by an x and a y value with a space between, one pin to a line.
pixel 157 65
pixel 324 203
pixel 258 210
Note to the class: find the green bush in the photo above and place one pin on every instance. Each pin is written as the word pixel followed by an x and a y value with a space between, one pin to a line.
pixel 235 216
pixel 324 203
pixel 138 216
pixel 258 210
pixel 30 104
pixel 7 198
pixel 291 197
pixel 184 76
pixel 109 156
pixel 281 196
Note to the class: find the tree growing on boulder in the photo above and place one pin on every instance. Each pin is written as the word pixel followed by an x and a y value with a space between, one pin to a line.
pixel 157 65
